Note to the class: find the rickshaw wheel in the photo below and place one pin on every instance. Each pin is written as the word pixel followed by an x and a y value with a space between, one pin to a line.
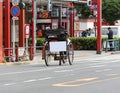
pixel 70 53
pixel 47 55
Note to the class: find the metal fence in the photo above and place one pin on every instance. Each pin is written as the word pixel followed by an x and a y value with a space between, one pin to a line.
pixel 21 53
pixel 112 44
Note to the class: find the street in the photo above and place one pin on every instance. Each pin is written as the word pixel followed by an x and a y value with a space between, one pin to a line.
pixel 96 74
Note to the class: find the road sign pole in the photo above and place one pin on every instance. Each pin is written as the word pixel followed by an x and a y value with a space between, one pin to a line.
pixel 27 55
pixel 27 34
pixel 13 39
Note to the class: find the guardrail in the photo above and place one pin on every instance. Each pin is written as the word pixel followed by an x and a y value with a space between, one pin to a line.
pixel 112 44
pixel 22 54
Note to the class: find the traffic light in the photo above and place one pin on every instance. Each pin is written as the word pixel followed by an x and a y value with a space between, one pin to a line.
pixel 89 2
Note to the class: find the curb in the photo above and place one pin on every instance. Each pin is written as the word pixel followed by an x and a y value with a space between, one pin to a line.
pixel 78 55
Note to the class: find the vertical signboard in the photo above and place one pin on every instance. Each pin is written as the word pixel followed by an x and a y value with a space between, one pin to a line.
pixel 27 30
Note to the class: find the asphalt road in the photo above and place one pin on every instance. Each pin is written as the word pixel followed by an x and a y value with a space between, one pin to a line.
pixel 97 74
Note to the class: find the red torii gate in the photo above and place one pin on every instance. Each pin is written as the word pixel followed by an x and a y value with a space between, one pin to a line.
pixel 6 26
pixel 99 24
pixel 1 30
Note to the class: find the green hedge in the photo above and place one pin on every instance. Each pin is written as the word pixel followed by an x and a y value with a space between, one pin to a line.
pixel 81 43
pixel 86 43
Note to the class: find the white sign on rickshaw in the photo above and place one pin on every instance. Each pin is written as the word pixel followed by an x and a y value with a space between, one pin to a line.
pixel 58 46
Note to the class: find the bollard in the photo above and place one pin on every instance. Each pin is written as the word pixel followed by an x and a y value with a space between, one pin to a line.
pixel 31 52
pixel 16 53
pixel 11 58
pixel 43 52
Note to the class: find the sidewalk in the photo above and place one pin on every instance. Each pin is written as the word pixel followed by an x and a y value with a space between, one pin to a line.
pixel 77 55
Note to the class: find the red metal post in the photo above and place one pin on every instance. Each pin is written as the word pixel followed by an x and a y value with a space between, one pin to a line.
pixel 16 53
pixel 22 28
pixel 72 22
pixel 1 30
pixel 99 20
pixel 31 52
pixel 7 27
pixel 33 39
pixel 43 52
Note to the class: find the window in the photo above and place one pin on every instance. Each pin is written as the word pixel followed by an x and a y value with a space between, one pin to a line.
pixel 55 12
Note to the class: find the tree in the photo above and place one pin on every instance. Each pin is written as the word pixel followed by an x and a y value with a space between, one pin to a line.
pixel 111 11
pixel 83 10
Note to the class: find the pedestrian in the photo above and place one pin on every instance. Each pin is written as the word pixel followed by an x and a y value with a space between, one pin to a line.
pixel 110 37
pixel 39 33
pixel 89 31
pixel 84 33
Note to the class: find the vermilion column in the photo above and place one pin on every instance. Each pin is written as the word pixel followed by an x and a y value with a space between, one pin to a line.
pixel 99 20
pixel 7 27
pixel 72 22
pixel 22 28
pixel 1 30
pixel 33 39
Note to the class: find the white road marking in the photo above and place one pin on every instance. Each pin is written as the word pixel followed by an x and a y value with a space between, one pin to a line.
pixel 64 71
pixel 45 78
pixel 29 81
pixel 8 84
pixel 32 80
pixel 113 75
pixel 103 70
pixel 98 66
pixel 29 71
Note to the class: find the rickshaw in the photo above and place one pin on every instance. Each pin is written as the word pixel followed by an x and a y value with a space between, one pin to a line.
pixel 58 46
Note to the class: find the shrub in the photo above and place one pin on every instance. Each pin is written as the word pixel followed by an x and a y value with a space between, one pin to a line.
pixel 80 43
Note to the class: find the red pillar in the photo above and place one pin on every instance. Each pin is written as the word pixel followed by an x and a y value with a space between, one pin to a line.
pixel 33 39
pixel 72 22
pixel 1 30
pixel 99 20
pixel 7 27
pixel 22 28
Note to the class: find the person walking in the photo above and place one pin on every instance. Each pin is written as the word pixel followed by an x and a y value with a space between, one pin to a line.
pixel 110 37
